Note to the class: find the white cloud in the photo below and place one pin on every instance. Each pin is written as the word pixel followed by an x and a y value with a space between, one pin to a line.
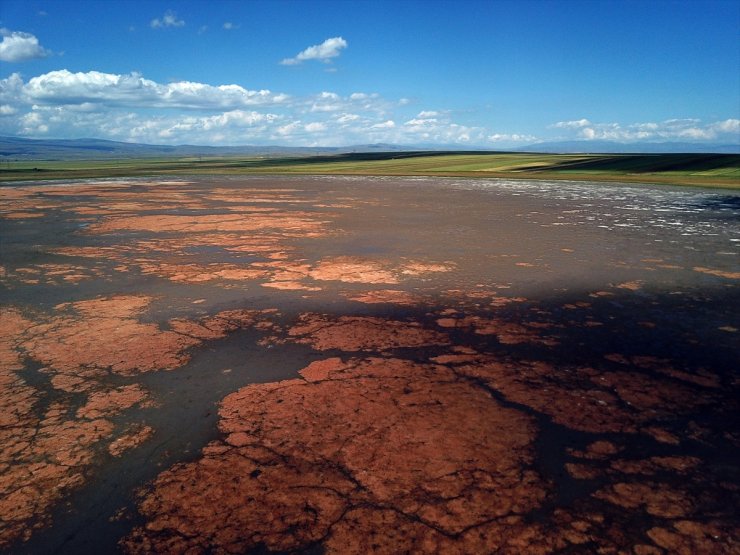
pixel 169 19
pixel 346 118
pixel 324 52
pixel 685 129
pixel 331 102
pixel 513 138
pixel 129 107
pixel 289 128
pixel 229 26
pixel 439 129
pixel 327 102
pixel 232 127
pixel 11 88
pixel 728 126
pixel 239 118
pixel 17 46
pixel 589 133
pixel 575 124
pixel 64 87
pixel 315 127
pixel 421 122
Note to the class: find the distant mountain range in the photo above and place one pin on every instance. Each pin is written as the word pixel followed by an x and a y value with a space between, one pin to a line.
pixel 17 148
pixel 613 147
pixel 70 149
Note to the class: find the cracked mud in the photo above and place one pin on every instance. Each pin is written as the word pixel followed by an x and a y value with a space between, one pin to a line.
pixel 257 364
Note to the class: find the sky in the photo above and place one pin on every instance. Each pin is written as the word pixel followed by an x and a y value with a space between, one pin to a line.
pixel 495 74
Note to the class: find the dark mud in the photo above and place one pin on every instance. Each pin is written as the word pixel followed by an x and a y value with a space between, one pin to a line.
pixel 359 364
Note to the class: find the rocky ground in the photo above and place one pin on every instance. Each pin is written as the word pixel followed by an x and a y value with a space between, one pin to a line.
pixel 368 365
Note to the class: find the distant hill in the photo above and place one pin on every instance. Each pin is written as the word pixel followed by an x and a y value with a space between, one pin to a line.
pixel 16 148
pixel 70 149
pixel 613 147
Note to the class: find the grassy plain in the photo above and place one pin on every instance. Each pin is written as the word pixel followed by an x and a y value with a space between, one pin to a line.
pixel 714 170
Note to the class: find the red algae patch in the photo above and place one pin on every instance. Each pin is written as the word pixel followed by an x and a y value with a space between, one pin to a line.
pixel 718 273
pixel 536 385
pixel 21 215
pixel 287 222
pixel 415 268
pixel 106 403
pixel 136 436
pixel 635 285
pixel 688 537
pixel 358 333
pixel 195 273
pixel 439 476
pixel 46 451
pixel 49 274
pixel 382 296
pixel 655 499
pixel 352 270
pixel 290 286
pixel 103 333
pixel 507 333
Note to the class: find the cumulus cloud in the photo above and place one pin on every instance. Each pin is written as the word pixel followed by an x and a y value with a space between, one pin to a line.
pixel 315 127
pixel 18 46
pixel 330 102
pixel 513 138
pixel 434 126
pixel 288 128
pixel 731 125
pixel 231 127
pixel 685 129
pixel 169 19
pixel 64 87
pixel 129 107
pixel 327 102
pixel 347 118
pixel 574 124
pixel 324 52
pixel 11 88
pixel 421 122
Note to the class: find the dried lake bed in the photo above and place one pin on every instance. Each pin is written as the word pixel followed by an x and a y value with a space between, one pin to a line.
pixel 355 364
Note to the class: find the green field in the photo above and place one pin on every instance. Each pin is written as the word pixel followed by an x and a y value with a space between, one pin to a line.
pixel 715 170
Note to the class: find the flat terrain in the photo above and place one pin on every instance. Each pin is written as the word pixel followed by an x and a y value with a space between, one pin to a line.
pixel 347 364
pixel 713 170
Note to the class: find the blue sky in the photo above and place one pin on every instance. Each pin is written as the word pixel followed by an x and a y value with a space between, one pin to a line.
pixel 496 74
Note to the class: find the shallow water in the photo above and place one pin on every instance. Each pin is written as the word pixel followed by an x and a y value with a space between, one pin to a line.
pixel 623 295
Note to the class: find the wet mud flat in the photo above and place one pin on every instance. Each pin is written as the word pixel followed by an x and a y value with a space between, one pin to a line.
pixel 345 365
